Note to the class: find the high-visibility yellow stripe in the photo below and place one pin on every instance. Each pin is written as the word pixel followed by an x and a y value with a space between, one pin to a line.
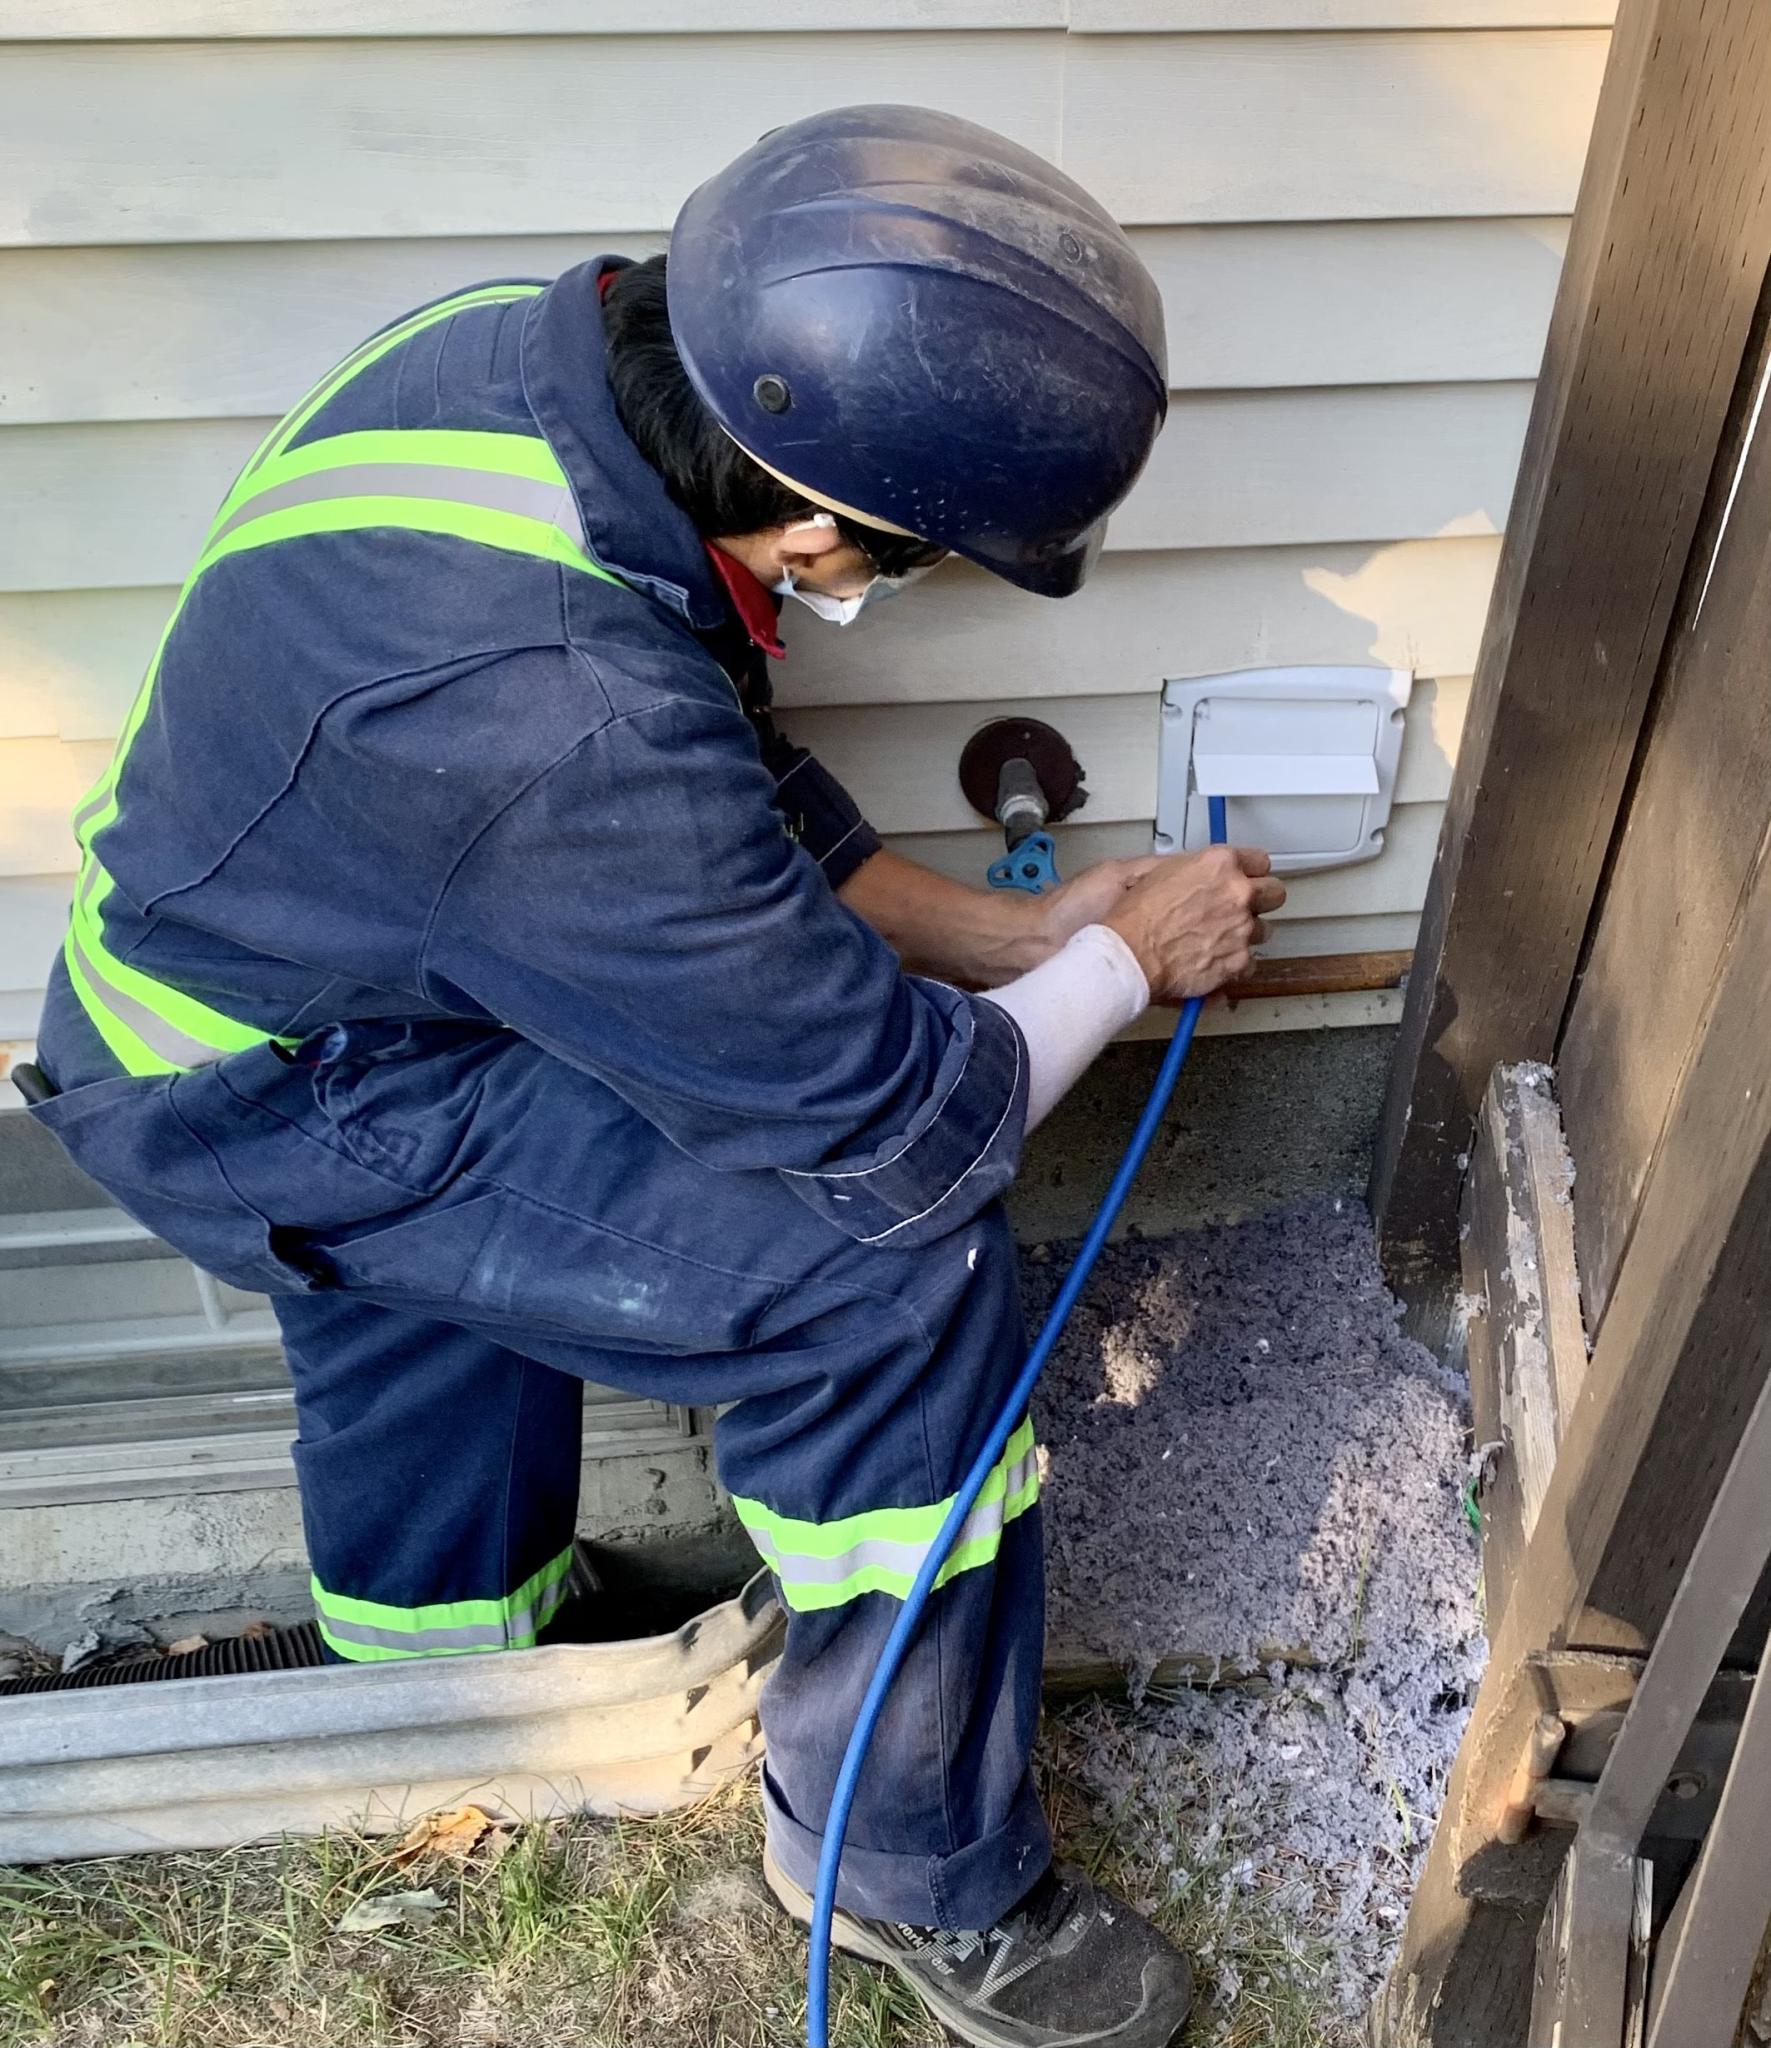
pixel 278 439
pixel 827 1564
pixel 371 1631
pixel 424 480
pixel 526 455
pixel 507 530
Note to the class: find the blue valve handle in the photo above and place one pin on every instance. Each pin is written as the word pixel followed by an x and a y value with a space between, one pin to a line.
pixel 1033 866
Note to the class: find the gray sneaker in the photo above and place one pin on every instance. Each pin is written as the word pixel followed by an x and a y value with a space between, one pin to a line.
pixel 1069 1967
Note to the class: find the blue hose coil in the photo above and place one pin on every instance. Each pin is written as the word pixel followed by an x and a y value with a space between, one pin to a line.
pixel 897 1645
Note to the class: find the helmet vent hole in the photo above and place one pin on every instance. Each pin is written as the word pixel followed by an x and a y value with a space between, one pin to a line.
pixel 772 394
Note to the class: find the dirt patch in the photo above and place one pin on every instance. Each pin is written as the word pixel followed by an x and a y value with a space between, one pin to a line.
pixel 1245 1455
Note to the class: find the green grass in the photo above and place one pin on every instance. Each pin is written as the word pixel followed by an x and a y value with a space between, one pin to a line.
pixel 591 1934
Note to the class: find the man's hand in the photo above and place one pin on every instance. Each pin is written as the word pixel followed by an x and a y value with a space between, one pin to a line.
pixel 1090 897
pixel 1194 919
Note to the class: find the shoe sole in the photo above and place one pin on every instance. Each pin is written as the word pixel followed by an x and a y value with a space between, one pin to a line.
pixel 852 1939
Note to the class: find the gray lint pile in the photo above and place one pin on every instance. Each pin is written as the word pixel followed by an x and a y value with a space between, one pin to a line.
pixel 1247 1463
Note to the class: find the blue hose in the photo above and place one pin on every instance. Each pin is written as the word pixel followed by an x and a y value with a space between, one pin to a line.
pixel 897 1645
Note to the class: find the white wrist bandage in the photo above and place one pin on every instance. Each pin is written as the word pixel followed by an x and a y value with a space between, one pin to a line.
pixel 1069 1006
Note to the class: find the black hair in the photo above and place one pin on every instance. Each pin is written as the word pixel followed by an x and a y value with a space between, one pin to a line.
pixel 721 489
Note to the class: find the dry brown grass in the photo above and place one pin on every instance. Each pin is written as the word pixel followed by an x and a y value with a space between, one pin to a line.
pixel 581 1934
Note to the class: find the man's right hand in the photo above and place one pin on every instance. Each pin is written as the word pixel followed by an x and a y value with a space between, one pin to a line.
pixel 1194 920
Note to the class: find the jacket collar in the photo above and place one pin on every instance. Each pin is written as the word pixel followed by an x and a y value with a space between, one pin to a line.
pixel 631 524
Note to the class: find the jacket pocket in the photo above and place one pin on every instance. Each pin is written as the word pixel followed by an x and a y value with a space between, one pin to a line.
pixel 400 1097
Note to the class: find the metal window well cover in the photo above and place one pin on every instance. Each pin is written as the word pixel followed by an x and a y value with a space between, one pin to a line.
pixel 637 1727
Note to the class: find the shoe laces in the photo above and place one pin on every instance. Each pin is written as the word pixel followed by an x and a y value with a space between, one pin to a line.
pixel 1034 1919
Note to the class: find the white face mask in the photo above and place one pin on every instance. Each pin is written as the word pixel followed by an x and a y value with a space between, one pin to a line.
pixel 844 611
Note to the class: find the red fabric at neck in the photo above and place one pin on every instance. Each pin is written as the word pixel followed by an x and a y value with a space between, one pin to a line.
pixel 754 605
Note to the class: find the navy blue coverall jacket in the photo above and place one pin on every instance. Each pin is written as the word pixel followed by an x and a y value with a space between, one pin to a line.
pixel 585 1073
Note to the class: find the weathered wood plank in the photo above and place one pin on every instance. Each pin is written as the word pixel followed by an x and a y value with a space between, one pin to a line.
pixel 1323 974
pixel 126 504
pixel 1681 1358
pixel 1245 127
pixel 1689 845
pixel 218 330
pixel 251 141
pixel 71 659
pixel 1526 1340
pixel 1667 254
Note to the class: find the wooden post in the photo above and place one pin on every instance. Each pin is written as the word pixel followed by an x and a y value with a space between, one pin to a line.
pixel 1682 1358
pixel 1670 244
pixel 1693 837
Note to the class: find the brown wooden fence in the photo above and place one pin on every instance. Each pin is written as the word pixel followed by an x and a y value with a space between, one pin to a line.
pixel 1602 903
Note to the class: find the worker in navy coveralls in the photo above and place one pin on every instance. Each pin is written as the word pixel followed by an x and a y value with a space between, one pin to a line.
pixel 461 955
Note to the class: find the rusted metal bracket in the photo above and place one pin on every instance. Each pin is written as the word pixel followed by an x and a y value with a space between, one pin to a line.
pixel 1587 1696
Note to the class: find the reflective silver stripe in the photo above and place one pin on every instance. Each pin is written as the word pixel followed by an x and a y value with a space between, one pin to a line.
pixel 95 802
pixel 550 504
pixel 482 1635
pixel 155 1033
pixel 987 1519
pixel 492 491
pixel 485 1637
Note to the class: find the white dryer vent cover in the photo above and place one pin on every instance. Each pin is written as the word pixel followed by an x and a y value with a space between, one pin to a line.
pixel 1305 759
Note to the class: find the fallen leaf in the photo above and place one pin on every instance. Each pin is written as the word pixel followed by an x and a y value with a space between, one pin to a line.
pixel 255 1629
pixel 392 1909
pixel 186 1644
pixel 455 1834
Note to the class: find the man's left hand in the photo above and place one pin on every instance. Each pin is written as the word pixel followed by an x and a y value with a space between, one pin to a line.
pixel 1088 898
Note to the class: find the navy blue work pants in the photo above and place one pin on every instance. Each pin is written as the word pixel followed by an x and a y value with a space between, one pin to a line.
pixel 516 1230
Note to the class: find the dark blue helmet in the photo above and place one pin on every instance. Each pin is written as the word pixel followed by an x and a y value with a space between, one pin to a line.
pixel 927 327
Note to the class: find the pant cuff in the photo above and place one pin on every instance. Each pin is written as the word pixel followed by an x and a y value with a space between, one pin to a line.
pixel 966 1889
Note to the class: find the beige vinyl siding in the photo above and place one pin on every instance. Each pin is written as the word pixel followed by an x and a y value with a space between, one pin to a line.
pixel 881 751
pixel 205 20
pixel 162 19
pixel 221 330
pixel 1356 210
pixel 1232 470
pixel 1122 16
pixel 189 141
